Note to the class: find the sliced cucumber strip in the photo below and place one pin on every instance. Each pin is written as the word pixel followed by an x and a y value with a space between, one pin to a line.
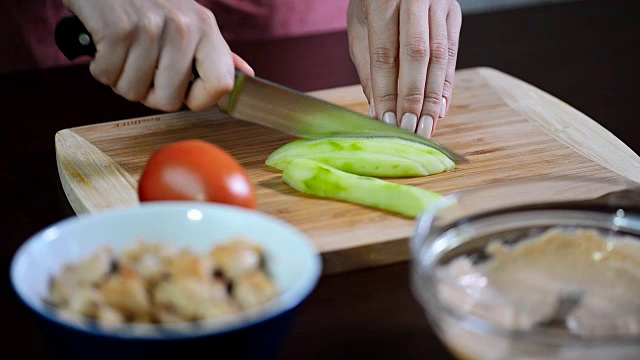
pixel 314 178
pixel 368 156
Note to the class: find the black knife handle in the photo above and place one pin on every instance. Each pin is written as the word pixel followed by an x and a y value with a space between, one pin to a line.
pixel 74 40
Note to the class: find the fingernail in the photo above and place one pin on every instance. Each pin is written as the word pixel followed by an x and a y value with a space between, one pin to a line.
pixel 425 127
pixel 389 118
pixel 370 110
pixel 443 108
pixel 409 122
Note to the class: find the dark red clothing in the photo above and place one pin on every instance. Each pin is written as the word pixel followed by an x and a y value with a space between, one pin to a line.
pixel 27 39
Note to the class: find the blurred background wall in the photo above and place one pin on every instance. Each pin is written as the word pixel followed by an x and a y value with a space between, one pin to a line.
pixel 479 6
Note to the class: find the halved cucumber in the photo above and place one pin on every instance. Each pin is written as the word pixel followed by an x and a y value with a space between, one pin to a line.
pixel 314 178
pixel 368 156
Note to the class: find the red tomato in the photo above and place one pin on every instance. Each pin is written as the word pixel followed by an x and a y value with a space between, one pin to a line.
pixel 195 170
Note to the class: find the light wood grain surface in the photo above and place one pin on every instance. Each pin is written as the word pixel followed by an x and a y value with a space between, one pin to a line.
pixel 507 128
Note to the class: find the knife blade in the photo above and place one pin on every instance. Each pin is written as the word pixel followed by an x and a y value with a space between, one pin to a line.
pixel 269 104
pixel 273 105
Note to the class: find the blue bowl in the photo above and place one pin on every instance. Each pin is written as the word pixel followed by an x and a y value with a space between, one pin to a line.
pixel 291 259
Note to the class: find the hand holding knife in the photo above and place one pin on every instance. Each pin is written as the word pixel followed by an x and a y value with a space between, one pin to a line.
pixel 262 102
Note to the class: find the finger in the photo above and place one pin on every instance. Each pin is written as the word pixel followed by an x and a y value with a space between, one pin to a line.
pixel 174 70
pixel 242 65
pixel 215 65
pixel 359 51
pixel 454 23
pixel 437 68
pixel 382 33
pixel 414 58
pixel 112 46
pixel 362 63
pixel 139 68
pixel 111 54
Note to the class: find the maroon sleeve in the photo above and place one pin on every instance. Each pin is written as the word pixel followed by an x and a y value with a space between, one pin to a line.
pixel 26 40
pixel 27 35
pixel 264 19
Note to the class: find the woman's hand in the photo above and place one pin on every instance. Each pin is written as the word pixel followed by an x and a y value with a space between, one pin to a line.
pixel 405 53
pixel 146 48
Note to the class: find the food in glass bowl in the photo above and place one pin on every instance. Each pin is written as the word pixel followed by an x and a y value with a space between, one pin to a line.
pixel 582 280
pixel 533 269
pixel 157 283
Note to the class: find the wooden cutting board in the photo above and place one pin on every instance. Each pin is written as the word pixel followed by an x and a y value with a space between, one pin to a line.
pixel 507 128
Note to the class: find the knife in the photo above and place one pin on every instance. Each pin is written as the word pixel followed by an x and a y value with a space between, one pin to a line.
pixel 269 104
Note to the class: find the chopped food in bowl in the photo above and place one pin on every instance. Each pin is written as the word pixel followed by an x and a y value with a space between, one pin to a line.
pixel 593 276
pixel 156 283
pixel 165 278
pixel 536 269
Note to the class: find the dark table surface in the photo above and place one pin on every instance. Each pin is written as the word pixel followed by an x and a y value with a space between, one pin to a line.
pixel 583 52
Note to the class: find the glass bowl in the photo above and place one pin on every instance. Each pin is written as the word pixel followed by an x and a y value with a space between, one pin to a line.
pixel 494 266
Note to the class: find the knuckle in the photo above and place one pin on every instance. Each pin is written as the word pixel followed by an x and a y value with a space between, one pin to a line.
pixel 432 98
pixel 206 17
pixel 448 86
pixel 104 75
pixel 169 105
pixel 384 58
pixel 166 102
pixel 386 98
pixel 214 90
pixel 452 50
pixel 151 27
pixel 417 48
pixel 132 94
pixel 198 102
pixel 439 51
pixel 225 84
pixel 413 99
pixel 180 23
pixel 173 107
pixel 124 32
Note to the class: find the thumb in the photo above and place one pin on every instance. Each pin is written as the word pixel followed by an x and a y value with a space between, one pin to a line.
pixel 241 65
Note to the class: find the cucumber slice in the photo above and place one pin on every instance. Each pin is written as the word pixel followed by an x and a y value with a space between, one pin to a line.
pixel 368 156
pixel 314 178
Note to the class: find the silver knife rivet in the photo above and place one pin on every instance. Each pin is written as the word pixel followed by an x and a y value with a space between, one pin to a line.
pixel 84 39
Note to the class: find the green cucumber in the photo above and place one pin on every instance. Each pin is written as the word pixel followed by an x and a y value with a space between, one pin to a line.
pixel 368 156
pixel 314 178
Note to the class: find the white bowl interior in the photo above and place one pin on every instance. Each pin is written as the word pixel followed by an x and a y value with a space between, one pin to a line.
pixel 290 257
